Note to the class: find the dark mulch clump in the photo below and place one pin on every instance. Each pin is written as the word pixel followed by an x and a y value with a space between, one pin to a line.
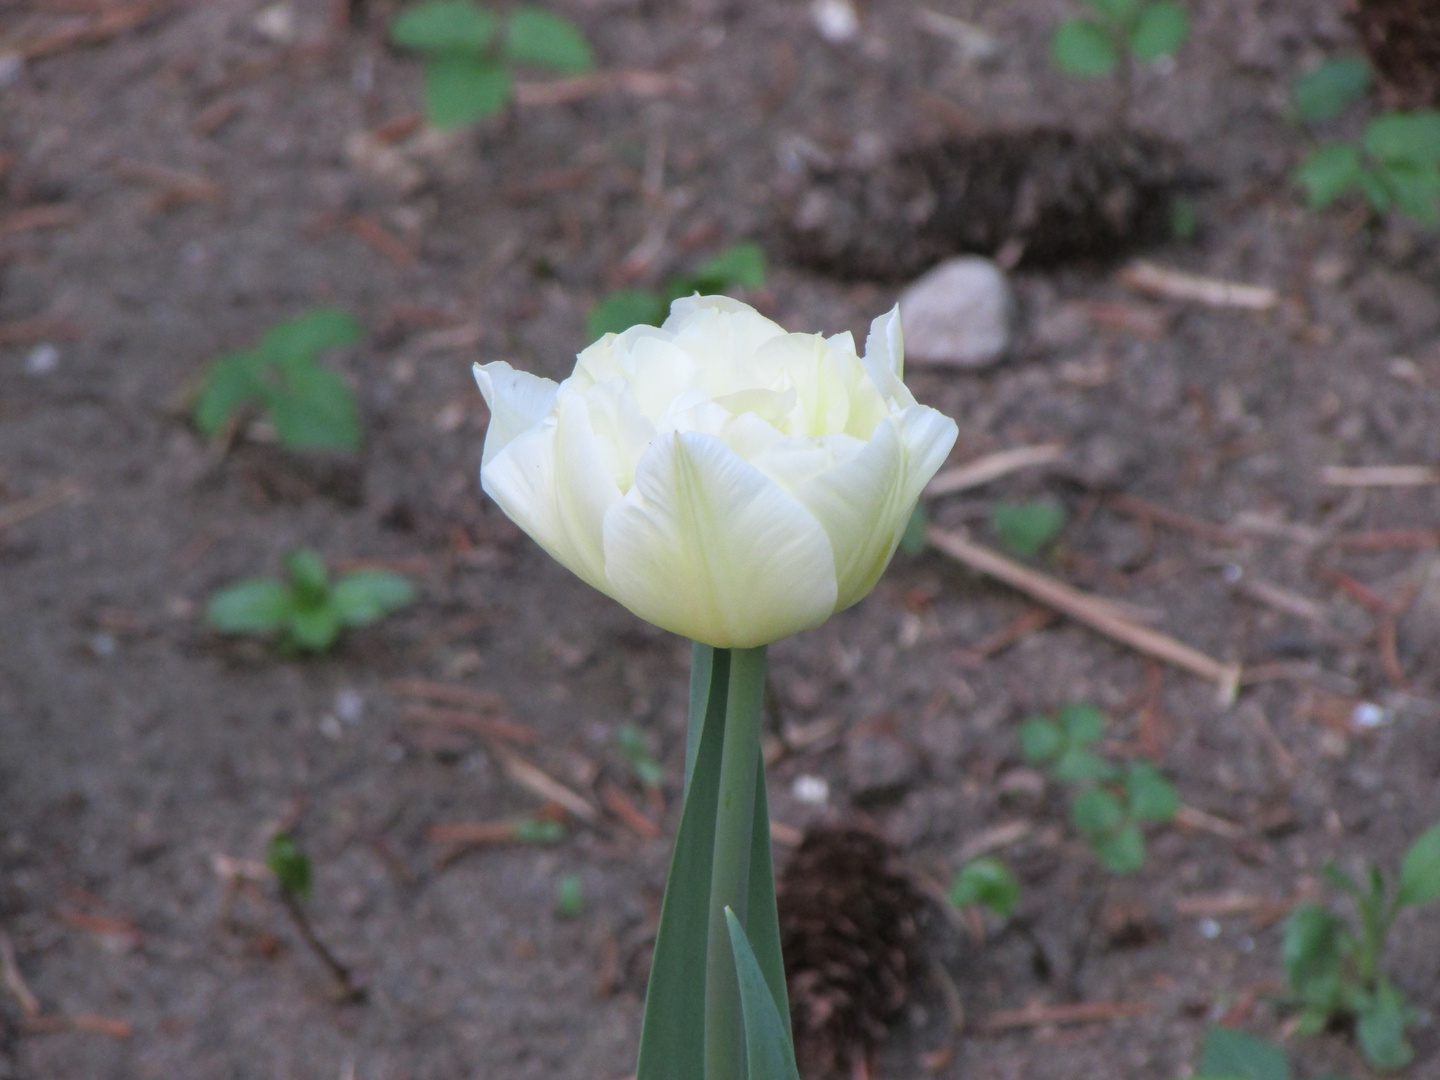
pixel 1402 38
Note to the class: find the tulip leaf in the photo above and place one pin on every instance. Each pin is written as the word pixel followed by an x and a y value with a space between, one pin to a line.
pixel 257 606
pixel 670 1042
pixel 365 596
pixel 544 39
pixel 462 89
pixel 769 1054
pixel 761 913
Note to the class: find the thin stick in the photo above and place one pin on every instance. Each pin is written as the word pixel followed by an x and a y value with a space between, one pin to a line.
pixel 542 784
pixel 491 727
pixel 992 467
pixel 1085 1012
pixel 1174 519
pixel 1380 475
pixel 1095 612
pixel 24 509
pixel 342 975
pixel 1147 277
pixel 14 981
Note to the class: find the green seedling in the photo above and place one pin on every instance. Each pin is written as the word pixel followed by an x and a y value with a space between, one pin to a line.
pixel 646 769
pixel 1333 965
pixel 569 897
pixel 1328 91
pixel 739 266
pixel 1112 802
pixel 986 882
pixel 471 53
pixel 291 867
pixel 311 407
pixel 1395 164
pixel 308 610
pixel 1027 528
pixel 1117 33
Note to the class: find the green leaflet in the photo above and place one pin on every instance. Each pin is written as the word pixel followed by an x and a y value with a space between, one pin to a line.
pixel 768 1052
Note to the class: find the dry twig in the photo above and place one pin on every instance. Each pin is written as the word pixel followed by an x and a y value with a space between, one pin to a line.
pixel 14 981
pixel 992 467
pixel 1380 475
pixel 1147 277
pixel 543 784
pixel 1085 1012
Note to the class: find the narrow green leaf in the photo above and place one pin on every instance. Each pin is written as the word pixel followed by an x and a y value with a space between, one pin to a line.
pixel 1329 173
pixel 313 408
pixel 1242 1056
pixel 305 335
pixel 443 27
pixel 1041 740
pixel 1323 94
pixel 1081 47
pixel 232 382
pixel 762 915
pixel 986 881
pixel 257 606
pixel 544 39
pixel 621 310
pixel 671 1045
pixel 1159 31
pixel 1151 796
pixel 1024 529
pixel 1314 947
pixel 290 865
pixel 367 595
pixel 912 540
pixel 460 90
pixel 1380 1027
pixel 1096 812
pixel 1412 137
pixel 769 1054
pixel 740 264
pixel 1084 723
pixel 1420 872
pixel 314 629
pixel 1121 852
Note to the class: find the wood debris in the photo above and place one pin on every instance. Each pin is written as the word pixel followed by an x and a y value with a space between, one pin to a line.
pixel 642 84
pixel 992 467
pixel 1147 277
pixel 24 509
pixel 1085 1012
pixel 1380 475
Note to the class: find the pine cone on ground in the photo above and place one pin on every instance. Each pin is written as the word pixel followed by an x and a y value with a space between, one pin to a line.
pixel 849 932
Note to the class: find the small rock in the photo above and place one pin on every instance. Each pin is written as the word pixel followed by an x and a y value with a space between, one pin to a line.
pixel 276 23
pixel 42 360
pixel 836 20
pixel 960 314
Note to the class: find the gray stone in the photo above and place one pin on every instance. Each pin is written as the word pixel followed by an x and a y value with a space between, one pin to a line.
pixel 961 314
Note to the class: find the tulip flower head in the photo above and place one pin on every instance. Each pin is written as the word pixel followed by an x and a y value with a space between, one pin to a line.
pixel 719 477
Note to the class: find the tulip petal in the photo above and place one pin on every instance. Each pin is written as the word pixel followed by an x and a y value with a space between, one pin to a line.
pixel 706 546
pixel 518 401
pixel 885 359
pixel 553 482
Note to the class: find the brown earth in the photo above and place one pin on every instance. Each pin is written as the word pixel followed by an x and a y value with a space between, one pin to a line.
pixel 210 183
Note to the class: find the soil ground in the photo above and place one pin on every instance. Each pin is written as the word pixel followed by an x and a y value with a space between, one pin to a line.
pixel 212 184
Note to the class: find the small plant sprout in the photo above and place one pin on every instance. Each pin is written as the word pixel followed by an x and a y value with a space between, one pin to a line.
pixel 646 769
pixel 1333 967
pixel 1112 802
pixel 308 610
pixel 739 266
pixel 295 878
pixel 1027 528
pixel 988 883
pixel 311 407
pixel 470 54
pixel 1115 36
pixel 1228 1054
pixel 569 897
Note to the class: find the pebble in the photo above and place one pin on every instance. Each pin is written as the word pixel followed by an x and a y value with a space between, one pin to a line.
pixel 276 23
pixel 42 360
pixel 960 314
pixel 836 20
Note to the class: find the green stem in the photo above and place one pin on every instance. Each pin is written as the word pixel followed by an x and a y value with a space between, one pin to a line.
pixel 730 871
pixel 709 671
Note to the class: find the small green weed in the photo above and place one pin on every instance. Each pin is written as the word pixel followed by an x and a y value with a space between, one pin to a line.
pixel 308 610
pixel 1228 1054
pixel 742 266
pixel 1333 966
pixel 1112 802
pixel 646 769
pixel 988 882
pixel 295 876
pixel 311 407
pixel 470 56
pixel 1117 33
pixel 1027 528
pixel 1395 164
pixel 290 865
pixel 569 897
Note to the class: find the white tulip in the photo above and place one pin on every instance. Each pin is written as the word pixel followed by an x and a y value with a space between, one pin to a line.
pixel 719 477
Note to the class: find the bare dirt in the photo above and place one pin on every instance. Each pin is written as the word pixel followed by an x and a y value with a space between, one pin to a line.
pixel 205 182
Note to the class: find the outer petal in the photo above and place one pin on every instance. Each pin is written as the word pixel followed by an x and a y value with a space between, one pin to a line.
pixel 553 482
pixel 518 401
pixel 865 502
pixel 885 359
pixel 705 546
